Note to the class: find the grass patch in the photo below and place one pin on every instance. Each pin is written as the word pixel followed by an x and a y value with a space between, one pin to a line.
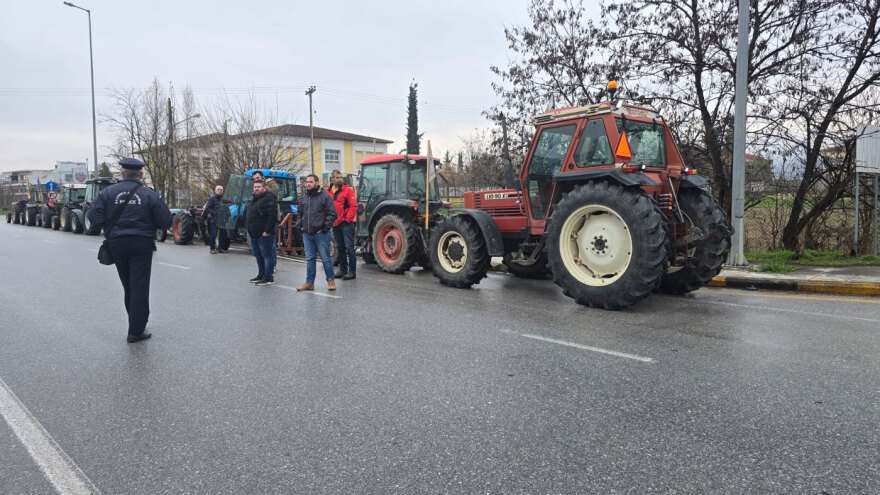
pixel 776 267
pixel 810 258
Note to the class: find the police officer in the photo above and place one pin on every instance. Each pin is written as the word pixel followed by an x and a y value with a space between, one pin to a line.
pixel 132 239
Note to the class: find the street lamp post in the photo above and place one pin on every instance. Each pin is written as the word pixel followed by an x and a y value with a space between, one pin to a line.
pixel 92 70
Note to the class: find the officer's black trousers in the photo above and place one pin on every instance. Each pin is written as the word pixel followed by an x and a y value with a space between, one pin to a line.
pixel 134 260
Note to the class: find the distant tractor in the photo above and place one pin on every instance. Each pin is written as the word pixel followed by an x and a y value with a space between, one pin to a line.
pixel 188 224
pixel 604 203
pixel 390 229
pixel 74 216
pixel 52 210
pixel 238 192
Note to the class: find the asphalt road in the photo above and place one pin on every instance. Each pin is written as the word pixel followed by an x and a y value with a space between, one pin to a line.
pixel 396 384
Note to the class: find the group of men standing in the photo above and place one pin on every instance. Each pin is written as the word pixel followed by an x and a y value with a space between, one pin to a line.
pixel 130 232
pixel 322 213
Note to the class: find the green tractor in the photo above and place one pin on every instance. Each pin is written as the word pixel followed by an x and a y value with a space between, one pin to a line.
pixel 390 229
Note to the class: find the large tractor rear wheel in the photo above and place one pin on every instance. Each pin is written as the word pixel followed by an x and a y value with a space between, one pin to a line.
pixel 396 243
pixel 459 256
pixel 30 216
pixel 536 269
pixel 56 222
pixel 606 245
pixel 706 255
pixel 183 228
pixel 76 224
pixel 90 229
pixel 47 214
pixel 65 219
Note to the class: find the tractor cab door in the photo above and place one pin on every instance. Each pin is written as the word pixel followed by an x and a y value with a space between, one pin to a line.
pixel 547 157
pixel 235 197
pixel 372 190
pixel 288 197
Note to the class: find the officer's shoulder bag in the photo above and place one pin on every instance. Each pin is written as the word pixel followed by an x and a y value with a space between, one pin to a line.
pixel 104 255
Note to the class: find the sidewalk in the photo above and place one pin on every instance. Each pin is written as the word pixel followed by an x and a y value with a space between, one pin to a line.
pixel 849 280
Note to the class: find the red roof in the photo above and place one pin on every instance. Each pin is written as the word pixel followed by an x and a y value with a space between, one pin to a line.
pixel 396 158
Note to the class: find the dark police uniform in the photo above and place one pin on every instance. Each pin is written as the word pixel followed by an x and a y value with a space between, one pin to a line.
pixel 132 241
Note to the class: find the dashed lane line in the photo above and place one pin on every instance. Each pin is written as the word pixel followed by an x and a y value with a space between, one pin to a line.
pixel 172 265
pixel 583 347
pixel 57 466
pixel 47 241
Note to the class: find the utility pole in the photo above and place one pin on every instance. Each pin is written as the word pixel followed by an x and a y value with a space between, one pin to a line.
pixel 737 254
pixel 92 71
pixel 311 128
pixel 170 195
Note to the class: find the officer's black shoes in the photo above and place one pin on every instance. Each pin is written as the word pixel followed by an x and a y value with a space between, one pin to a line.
pixel 266 281
pixel 257 279
pixel 136 337
pixel 349 276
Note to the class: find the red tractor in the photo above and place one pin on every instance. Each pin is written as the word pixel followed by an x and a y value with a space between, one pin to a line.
pixel 604 204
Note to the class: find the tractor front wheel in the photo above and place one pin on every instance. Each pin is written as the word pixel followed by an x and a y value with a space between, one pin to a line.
pixel 705 256
pixel 606 245
pixel 90 229
pixel 56 222
pixel 459 256
pixel 76 225
pixel 395 243
pixel 183 228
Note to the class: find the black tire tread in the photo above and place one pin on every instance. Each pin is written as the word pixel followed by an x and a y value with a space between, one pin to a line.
pixel 478 253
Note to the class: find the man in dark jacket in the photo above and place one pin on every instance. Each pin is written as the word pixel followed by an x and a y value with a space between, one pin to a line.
pixel 316 217
pixel 262 214
pixel 343 229
pixel 132 238
pixel 212 207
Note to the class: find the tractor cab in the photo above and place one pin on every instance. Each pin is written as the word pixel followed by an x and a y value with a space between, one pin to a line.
pixel 399 180
pixel 240 189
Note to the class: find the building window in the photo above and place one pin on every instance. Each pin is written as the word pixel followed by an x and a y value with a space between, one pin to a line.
pixel 331 157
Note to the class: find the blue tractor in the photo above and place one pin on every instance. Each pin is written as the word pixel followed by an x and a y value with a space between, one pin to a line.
pixel 237 195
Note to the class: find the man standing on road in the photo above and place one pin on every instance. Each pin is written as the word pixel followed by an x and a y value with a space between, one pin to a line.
pixel 262 232
pixel 271 186
pixel 317 214
pixel 132 238
pixel 343 229
pixel 212 207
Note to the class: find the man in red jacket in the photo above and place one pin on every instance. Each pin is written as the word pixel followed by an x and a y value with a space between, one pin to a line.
pixel 343 229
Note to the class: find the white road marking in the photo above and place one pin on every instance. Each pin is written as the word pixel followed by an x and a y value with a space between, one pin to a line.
pixel 173 266
pixel 58 467
pixel 810 313
pixel 50 242
pixel 583 347
pixel 92 250
pixel 322 294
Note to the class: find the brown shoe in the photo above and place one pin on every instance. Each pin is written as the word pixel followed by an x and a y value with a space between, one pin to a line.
pixel 306 286
pixel 331 284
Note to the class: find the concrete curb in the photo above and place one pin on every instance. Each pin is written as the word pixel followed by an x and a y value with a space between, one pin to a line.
pixel 843 288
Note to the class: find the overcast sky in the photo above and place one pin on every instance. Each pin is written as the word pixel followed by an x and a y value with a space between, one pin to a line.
pixel 353 50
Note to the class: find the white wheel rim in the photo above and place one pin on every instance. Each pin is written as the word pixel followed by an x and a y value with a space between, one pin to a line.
pixel 452 251
pixel 596 245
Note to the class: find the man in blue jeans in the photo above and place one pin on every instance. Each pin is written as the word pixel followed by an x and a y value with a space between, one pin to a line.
pixel 262 215
pixel 316 217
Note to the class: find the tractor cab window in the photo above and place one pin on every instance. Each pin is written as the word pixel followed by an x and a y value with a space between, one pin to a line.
pixel 647 142
pixel 286 190
pixel 78 194
pixel 416 184
pixel 547 158
pixel 594 148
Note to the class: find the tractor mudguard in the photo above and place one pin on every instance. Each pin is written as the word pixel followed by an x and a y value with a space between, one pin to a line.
pixel 695 181
pixel 386 206
pixel 624 179
pixel 494 242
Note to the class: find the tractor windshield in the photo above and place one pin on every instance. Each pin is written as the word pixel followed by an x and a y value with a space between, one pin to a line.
pixel 647 142
pixel 287 191
pixel 407 181
pixel 76 195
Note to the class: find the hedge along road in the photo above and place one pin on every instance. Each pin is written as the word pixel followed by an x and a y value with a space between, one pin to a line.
pixel 401 385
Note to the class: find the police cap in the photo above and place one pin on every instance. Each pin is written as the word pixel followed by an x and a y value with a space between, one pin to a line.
pixel 131 164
